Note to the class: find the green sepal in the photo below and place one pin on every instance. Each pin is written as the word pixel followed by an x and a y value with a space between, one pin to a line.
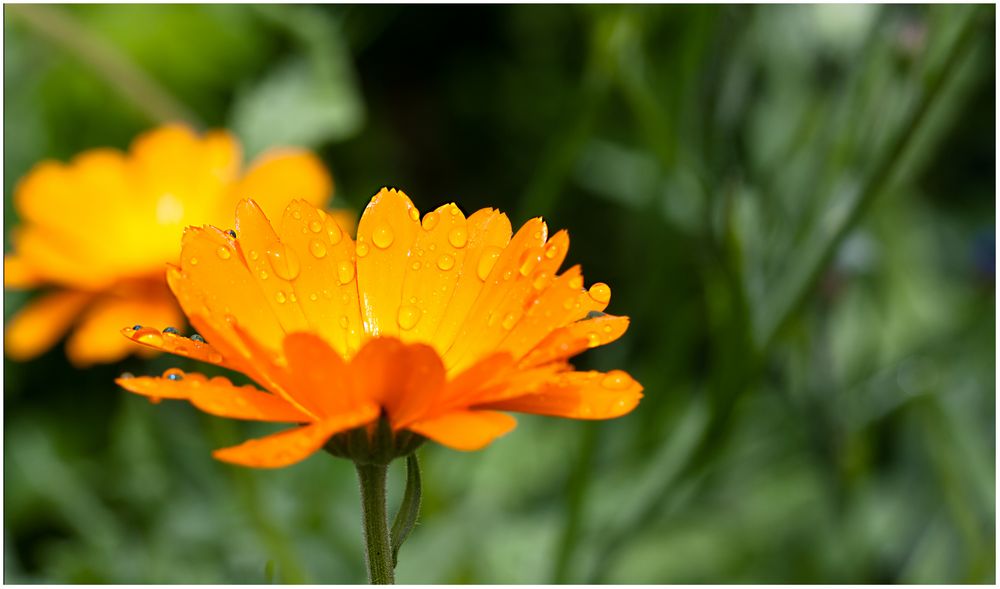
pixel 406 517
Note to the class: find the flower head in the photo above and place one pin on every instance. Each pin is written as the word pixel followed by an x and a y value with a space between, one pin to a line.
pixel 438 325
pixel 99 230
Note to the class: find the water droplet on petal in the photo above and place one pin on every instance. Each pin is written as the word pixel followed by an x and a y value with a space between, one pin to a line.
pixel 313 297
pixel 148 335
pixel 194 261
pixel 616 380
pixel 600 292
pixel 343 321
pixel 529 260
pixel 215 357
pixel 284 261
pixel 231 233
pixel 254 255
pixel 173 374
pixel 430 221
pixel 487 261
pixel 280 297
pixel 382 236
pixel 509 321
pixel 415 266
pixel 172 330
pixel 333 231
pixel 541 281
pixel 607 329
pixel 296 214
pixel 446 262
pixel 551 251
pixel 361 249
pixel 408 317
pixel 593 340
pixel 263 274
pixel 414 214
pixel 292 297
pixel 126 375
pixel 317 249
pixel 224 252
pixel 315 226
pixel 197 338
pixel 345 272
pixel 458 237
pixel 576 282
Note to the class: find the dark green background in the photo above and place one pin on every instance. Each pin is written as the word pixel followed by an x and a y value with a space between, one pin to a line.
pixel 794 204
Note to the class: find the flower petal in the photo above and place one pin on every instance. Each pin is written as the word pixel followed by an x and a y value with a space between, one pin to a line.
pixel 386 232
pixel 291 446
pixel 280 175
pixel 217 396
pixel 18 273
pixel 500 303
pixel 317 376
pixel 96 339
pixel 465 430
pixel 42 322
pixel 489 233
pixel 575 338
pixel 437 257
pixel 404 379
pixel 325 285
pixel 178 345
pixel 578 395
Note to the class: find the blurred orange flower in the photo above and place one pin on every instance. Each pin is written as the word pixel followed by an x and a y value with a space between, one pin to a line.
pixel 437 324
pixel 100 230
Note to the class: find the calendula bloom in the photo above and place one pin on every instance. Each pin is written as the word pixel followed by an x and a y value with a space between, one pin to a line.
pixel 435 326
pixel 98 231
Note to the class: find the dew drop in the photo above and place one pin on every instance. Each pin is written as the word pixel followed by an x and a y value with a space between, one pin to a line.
pixel 361 249
pixel 126 375
pixel 415 266
pixel 551 251
pixel 254 255
pixel 317 249
pixel 408 317
pixel 284 261
pixel 148 335
pixel 224 252
pixel 345 272
pixel 529 260
pixel 430 221
pixel 600 292
pixel 280 297
pixel 296 214
pixel 509 321
pixel 616 380
pixel 313 297
pixel 414 214
pixel 194 261
pixel 607 329
pixel 197 338
pixel 315 226
pixel 215 357
pixel 487 261
pixel 343 321
pixel 382 236
pixel 292 297
pixel 576 282
pixel 541 280
pixel 172 330
pixel 173 374
pixel 231 233
pixel 568 304
pixel 220 381
pixel 263 274
pixel 333 231
pixel 446 262
pixel 458 237
pixel 593 339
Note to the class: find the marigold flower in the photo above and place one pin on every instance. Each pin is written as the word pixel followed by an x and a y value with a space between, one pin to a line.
pixel 439 325
pixel 99 229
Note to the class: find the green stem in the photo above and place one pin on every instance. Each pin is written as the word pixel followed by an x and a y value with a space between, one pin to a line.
pixel 378 550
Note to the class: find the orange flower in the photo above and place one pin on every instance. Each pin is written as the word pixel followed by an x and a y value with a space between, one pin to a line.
pixel 437 325
pixel 100 229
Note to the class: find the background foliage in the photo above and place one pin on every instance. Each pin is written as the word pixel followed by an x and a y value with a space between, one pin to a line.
pixel 794 204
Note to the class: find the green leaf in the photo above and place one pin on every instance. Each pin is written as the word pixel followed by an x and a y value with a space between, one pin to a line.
pixel 406 517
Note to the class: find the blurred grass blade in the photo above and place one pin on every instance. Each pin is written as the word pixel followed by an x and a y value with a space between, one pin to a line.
pixel 406 517
pixel 145 93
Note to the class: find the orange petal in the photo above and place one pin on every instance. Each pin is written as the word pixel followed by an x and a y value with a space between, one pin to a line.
pixel 385 235
pixel 465 430
pixel 272 266
pixel 42 322
pixel 177 344
pixel 500 303
pixel 578 395
pixel 221 286
pixel 18 273
pixel 575 338
pixel 325 285
pixel 217 396
pixel 97 338
pixel 489 233
pixel 436 260
pixel 280 175
pixel 403 379
pixel 55 258
pixel 291 446
pixel 317 376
